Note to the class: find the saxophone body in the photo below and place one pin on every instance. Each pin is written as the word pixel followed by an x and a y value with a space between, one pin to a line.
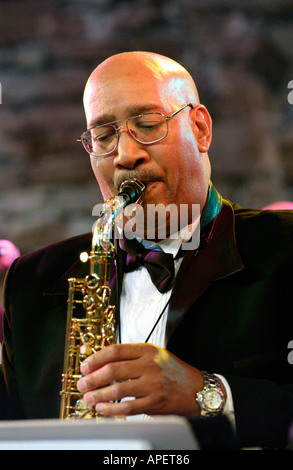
pixel 90 317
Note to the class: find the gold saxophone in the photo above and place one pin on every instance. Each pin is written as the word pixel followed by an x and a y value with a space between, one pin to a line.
pixel 90 319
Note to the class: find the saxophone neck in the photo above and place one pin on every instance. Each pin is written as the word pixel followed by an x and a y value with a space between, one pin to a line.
pixel 130 192
pixel 103 228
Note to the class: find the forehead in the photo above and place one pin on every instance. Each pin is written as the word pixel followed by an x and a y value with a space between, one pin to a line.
pixel 116 93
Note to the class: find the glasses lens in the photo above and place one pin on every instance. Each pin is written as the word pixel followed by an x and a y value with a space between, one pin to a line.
pixel 148 128
pixel 100 140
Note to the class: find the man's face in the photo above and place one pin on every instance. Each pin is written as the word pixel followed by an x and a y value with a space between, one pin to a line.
pixel 172 169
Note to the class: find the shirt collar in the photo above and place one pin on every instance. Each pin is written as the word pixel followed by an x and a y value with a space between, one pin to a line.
pixel 173 243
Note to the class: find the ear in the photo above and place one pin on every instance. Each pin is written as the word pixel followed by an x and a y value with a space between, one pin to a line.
pixel 203 127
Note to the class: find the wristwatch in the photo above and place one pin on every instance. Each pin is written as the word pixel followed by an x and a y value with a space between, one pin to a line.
pixel 210 398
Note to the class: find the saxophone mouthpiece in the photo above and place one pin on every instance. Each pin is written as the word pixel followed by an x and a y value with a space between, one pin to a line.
pixel 131 190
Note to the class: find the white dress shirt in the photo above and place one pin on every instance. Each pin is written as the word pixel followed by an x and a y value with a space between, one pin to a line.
pixel 142 304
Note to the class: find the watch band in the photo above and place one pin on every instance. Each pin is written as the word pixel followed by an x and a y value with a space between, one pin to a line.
pixel 211 397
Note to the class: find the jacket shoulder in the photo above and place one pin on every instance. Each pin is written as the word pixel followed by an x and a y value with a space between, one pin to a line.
pixel 48 262
pixel 264 233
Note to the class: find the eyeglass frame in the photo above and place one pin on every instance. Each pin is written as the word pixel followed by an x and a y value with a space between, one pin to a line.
pixel 167 118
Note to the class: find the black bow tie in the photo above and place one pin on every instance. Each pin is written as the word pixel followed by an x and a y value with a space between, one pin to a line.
pixel 160 265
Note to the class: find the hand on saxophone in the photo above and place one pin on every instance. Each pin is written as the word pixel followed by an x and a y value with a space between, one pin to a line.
pixel 160 382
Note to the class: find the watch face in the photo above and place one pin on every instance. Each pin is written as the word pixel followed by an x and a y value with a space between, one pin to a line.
pixel 212 400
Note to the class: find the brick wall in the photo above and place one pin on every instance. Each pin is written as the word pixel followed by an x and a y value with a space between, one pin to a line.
pixel 240 53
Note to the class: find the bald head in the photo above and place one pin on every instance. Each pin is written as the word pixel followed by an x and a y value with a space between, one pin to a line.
pixel 177 84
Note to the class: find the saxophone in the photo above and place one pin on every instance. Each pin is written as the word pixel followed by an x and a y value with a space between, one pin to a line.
pixel 90 319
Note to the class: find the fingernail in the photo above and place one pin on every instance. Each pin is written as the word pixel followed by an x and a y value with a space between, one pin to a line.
pixel 82 385
pixel 100 408
pixel 89 398
pixel 84 368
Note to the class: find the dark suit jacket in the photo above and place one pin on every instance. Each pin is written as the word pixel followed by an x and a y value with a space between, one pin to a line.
pixel 230 313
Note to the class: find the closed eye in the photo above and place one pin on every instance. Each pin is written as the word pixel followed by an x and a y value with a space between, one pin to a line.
pixel 148 125
pixel 104 136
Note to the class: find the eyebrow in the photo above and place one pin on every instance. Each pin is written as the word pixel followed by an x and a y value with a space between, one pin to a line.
pixel 131 111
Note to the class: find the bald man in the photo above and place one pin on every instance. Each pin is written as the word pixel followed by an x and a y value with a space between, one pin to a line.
pixel 175 170
pixel 214 341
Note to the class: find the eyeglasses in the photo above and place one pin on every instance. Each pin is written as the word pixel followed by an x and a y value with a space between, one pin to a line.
pixel 147 128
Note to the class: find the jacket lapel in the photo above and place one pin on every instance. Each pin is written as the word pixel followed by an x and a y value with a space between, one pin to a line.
pixel 60 286
pixel 57 293
pixel 216 258
pixel 77 270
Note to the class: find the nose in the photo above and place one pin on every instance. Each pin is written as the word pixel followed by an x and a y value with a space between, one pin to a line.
pixel 129 152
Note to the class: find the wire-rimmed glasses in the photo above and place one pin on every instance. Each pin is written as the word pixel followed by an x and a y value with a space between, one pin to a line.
pixel 146 128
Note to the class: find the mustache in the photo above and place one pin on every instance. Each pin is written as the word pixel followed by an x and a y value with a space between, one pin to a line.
pixel 145 176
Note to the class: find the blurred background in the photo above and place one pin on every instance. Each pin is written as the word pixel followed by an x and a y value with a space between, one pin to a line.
pixel 239 52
